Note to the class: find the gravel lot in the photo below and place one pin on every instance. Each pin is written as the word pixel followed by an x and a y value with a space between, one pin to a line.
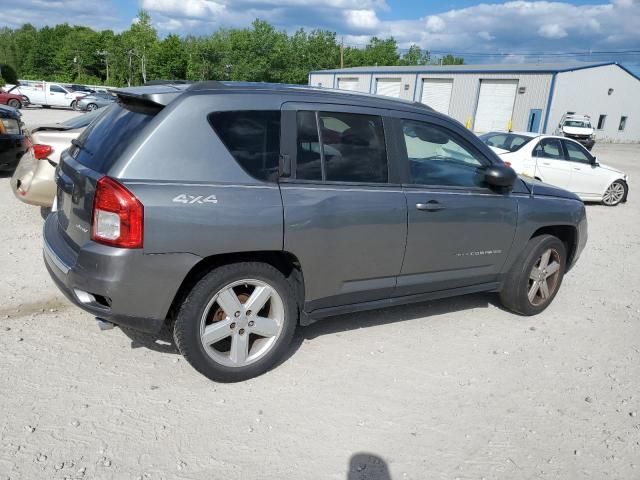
pixel 448 389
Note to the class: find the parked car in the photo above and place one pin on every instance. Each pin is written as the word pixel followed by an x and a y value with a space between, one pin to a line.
pixel 10 99
pixel 578 128
pixel 15 90
pixel 561 162
pixel 95 101
pixel 12 139
pixel 33 181
pixel 81 88
pixel 234 212
pixel 47 94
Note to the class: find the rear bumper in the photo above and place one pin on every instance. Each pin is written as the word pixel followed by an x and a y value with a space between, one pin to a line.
pixel 125 287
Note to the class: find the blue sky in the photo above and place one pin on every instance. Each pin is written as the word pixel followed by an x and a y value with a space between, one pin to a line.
pixel 513 28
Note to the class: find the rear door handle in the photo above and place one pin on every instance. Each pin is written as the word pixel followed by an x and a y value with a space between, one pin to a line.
pixel 430 206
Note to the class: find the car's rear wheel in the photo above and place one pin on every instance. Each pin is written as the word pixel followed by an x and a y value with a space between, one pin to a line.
pixel 14 103
pixel 615 193
pixel 535 278
pixel 237 322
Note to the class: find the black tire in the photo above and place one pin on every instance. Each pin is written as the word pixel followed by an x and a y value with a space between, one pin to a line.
pixel 186 329
pixel 74 105
pixel 46 106
pixel 14 103
pixel 91 107
pixel 26 100
pixel 44 212
pixel 517 284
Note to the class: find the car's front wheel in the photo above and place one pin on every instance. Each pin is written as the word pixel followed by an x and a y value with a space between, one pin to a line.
pixel 615 193
pixel 237 322
pixel 535 278
pixel 74 105
pixel 91 107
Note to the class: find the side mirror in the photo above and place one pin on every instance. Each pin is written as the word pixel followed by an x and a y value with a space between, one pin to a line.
pixel 500 176
pixel 594 161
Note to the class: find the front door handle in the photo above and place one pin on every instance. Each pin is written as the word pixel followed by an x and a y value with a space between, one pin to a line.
pixel 430 206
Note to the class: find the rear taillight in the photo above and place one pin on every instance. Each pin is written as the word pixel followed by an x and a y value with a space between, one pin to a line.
pixel 118 216
pixel 41 152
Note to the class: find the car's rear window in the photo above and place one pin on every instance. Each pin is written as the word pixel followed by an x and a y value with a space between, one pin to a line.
pixel 507 141
pixel 253 138
pixel 102 143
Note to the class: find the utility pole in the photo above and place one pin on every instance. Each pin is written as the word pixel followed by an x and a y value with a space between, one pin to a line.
pixel 342 52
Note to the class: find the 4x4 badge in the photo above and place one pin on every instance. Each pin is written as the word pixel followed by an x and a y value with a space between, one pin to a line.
pixel 184 198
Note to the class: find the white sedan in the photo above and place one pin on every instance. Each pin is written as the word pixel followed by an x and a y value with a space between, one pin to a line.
pixel 561 162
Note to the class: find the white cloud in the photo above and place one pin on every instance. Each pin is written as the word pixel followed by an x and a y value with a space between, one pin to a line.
pixel 362 19
pixel 94 13
pixel 552 30
pixel 435 24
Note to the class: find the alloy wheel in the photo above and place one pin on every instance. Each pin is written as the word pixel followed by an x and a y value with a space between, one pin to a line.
pixel 614 194
pixel 242 322
pixel 544 277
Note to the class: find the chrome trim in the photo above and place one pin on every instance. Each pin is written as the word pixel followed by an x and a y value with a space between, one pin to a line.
pixel 57 261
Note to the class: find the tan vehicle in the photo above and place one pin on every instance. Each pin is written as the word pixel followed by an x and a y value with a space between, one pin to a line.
pixel 33 180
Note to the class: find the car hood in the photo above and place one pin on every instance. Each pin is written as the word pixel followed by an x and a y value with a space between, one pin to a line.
pixel 577 130
pixel 539 189
pixel 610 168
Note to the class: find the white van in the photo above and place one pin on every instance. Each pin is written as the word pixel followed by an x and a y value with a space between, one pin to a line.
pixel 47 94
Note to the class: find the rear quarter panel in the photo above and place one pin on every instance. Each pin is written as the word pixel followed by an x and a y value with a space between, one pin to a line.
pixel 197 199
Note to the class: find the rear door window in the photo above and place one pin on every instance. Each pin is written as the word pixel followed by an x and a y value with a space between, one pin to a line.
pixel 253 139
pixel 549 148
pixel 103 141
pixel 341 147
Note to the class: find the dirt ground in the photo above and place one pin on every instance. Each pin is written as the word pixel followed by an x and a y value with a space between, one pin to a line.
pixel 449 389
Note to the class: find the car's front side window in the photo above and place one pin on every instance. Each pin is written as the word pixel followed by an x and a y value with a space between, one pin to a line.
pixel 549 148
pixel 438 157
pixel 576 153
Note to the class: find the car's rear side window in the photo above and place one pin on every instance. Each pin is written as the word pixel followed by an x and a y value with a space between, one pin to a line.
pixel 253 138
pixel 104 140
pixel 352 147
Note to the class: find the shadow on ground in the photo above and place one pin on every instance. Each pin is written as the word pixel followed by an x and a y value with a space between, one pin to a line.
pixel 367 466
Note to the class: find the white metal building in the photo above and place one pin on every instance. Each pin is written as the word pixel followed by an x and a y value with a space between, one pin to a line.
pixel 523 97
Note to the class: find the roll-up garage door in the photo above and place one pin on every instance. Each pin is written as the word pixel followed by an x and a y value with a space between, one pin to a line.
pixel 437 94
pixel 495 105
pixel 348 83
pixel 389 87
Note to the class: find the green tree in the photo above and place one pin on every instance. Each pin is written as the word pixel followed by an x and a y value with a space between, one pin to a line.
pixel 415 56
pixel 168 59
pixel 451 60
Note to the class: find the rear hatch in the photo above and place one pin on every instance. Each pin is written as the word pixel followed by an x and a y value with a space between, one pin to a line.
pixel 89 158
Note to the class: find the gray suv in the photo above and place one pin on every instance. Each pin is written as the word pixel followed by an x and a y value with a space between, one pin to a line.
pixel 233 212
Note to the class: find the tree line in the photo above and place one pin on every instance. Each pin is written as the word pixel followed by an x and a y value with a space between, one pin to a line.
pixel 261 53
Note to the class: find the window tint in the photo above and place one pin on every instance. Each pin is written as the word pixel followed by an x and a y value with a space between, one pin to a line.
pixel 623 123
pixel 56 89
pixel 437 157
pixel 601 121
pixel 253 138
pixel 353 147
pixel 104 140
pixel 308 160
pixel 576 153
pixel 549 148
pixel 506 141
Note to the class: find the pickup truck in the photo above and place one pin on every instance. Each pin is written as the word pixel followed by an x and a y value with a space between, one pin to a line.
pixel 47 94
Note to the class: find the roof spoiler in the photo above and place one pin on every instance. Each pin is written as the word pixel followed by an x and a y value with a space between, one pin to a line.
pixel 162 92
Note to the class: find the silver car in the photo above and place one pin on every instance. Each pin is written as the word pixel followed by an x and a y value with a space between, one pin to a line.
pixel 94 101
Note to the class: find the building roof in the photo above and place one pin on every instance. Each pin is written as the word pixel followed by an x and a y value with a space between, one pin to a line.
pixel 496 68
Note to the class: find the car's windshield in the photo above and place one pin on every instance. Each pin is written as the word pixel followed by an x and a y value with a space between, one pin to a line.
pixel 577 123
pixel 83 120
pixel 506 141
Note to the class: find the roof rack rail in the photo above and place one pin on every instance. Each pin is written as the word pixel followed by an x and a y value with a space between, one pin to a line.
pixel 167 82
pixel 208 85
